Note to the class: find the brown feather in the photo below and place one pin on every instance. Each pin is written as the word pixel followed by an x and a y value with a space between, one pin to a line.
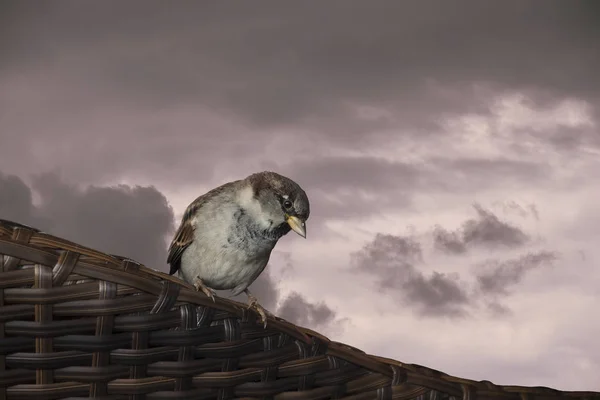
pixel 185 233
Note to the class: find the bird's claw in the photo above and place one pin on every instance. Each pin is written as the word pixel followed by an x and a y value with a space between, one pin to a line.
pixel 199 285
pixel 262 312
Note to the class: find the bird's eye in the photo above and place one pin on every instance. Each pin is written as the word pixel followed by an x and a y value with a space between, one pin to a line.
pixel 287 204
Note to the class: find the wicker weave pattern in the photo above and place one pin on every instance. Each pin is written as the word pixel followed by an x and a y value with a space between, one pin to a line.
pixel 78 323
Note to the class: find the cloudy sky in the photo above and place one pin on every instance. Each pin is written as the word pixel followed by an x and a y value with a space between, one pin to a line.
pixel 450 150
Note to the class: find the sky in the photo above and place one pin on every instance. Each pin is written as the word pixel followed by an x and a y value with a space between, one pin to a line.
pixel 450 151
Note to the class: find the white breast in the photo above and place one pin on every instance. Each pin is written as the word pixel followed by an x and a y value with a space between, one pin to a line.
pixel 212 256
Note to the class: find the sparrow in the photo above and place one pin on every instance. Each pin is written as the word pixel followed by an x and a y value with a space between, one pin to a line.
pixel 226 236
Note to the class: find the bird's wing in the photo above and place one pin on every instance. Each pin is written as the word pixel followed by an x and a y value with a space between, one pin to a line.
pixel 185 233
pixel 183 238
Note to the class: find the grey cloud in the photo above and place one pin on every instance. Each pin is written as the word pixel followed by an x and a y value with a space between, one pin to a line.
pixel 389 256
pixel 458 174
pixel 497 277
pixel 297 309
pixel 494 278
pixel 562 137
pixel 99 143
pixel 534 211
pixel 436 295
pixel 448 242
pixel 354 187
pixel 346 187
pixel 392 259
pixel 123 220
pixel 16 201
pixel 497 309
pixel 262 63
pixel 350 187
pixel 487 230
pixel 394 263
pixel 524 211
pixel 202 84
pixel 335 173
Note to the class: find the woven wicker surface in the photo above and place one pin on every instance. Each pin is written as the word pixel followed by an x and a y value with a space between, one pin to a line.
pixel 78 323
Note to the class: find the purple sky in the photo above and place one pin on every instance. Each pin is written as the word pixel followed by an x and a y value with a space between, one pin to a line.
pixel 450 151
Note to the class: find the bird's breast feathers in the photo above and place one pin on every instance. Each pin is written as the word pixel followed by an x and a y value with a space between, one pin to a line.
pixel 227 249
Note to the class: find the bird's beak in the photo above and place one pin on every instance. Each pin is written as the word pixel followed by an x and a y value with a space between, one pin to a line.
pixel 297 225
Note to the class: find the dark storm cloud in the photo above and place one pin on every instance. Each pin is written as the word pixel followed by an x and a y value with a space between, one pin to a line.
pixel 301 62
pixel 486 230
pixel 16 201
pixel 497 277
pixel 109 89
pixel 392 259
pixel 128 221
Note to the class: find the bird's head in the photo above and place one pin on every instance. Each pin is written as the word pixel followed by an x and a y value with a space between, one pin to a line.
pixel 278 203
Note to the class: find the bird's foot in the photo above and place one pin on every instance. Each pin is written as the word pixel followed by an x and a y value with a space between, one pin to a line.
pixel 200 286
pixel 253 304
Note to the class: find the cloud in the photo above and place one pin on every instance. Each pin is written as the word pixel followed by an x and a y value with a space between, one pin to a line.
pixel 199 53
pixel 497 309
pixel 344 187
pixel 469 171
pixel 332 173
pixel 389 257
pixel 486 230
pixel 131 221
pixel 448 242
pixel 436 295
pixel 392 259
pixel 397 264
pixel 297 309
pixel 185 83
pixel 16 200
pixel 523 211
pixel 496 277
pixel 351 187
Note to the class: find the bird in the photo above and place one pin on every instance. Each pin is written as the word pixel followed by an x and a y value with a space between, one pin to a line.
pixel 226 236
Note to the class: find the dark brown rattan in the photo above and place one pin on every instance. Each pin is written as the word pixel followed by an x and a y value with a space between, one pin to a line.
pixel 77 323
